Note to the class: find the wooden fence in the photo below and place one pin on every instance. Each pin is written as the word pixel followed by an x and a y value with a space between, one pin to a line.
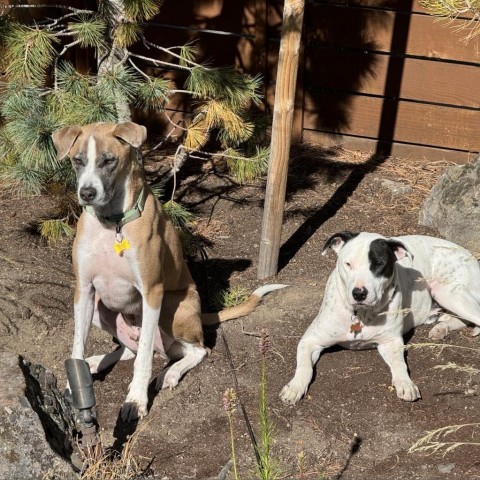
pixel 375 75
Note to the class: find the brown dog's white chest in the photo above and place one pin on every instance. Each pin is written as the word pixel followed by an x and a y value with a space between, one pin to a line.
pixel 115 277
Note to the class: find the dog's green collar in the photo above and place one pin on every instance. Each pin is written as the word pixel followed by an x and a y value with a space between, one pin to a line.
pixel 123 218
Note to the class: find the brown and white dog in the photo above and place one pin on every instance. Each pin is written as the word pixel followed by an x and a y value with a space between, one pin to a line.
pixel 131 278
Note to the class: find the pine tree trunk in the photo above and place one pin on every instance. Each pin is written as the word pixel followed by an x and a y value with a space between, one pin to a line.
pixel 108 59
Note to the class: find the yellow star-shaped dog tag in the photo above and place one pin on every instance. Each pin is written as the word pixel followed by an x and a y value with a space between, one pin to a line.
pixel 121 246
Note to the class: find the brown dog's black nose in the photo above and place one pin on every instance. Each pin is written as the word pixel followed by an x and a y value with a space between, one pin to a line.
pixel 359 294
pixel 87 194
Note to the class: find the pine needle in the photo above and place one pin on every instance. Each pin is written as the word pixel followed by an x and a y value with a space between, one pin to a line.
pixel 21 180
pixel 196 135
pixel 71 81
pixel 235 129
pixel 244 168
pixel 153 93
pixel 226 85
pixel 179 216
pixel 449 10
pixel 188 53
pixel 141 9
pixel 53 230
pixel 119 80
pixel 126 34
pixel 28 53
pixel 90 32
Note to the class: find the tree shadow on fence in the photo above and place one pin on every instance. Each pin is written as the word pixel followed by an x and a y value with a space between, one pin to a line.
pixel 383 150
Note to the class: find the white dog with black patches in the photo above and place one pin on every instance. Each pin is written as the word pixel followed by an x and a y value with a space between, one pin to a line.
pixel 131 278
pixel 380 289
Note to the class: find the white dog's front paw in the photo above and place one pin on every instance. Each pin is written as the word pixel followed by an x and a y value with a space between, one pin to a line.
pixel 438 332
pixel 292 392
pixel 407 390
pixel 134 408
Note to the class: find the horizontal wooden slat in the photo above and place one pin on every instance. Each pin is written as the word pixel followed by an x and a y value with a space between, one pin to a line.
pixel 405 6
pixel 422 80
pixel 406 122
pixel 414 153
pixel 372 30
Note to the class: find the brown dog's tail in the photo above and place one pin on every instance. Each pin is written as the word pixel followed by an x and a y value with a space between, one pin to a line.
pixel 243 309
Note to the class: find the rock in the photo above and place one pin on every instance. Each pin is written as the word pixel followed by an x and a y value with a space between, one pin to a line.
pixel 35 425
pixel 445 467
pixel 453 205
pixel 397 189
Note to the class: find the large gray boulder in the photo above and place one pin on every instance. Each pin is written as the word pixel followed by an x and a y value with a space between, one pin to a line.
pixel 453 206
pixel 35 424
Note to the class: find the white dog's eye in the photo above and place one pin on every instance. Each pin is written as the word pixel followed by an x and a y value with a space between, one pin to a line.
pixel 348 265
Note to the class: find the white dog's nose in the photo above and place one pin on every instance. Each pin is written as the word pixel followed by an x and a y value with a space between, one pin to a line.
pixel 359 294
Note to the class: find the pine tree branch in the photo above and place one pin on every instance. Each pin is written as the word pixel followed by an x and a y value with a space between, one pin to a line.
pixel 158 62
pixel 169 134
pixel 189 92
pixel 67 46
pixel 175 125
pixel 168 50
pixel 139 70
pixel 57 58
pixel 181 156
pixel 220 154
pixel 53 5
pixel 55 22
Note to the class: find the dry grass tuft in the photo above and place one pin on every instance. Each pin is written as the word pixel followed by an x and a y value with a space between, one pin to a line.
pixel 435 440
pixel 123 466
pixel 471 371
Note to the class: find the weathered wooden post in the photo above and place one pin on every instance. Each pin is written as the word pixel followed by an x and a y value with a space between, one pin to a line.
pixel 281 137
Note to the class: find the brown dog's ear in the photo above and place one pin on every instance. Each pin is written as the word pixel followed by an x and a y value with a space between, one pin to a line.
pixel 131 133
pixel 64 138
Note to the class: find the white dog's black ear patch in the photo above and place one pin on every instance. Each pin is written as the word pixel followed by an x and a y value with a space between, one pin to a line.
pixel 382 255
pixel 337 241
pixel 399 249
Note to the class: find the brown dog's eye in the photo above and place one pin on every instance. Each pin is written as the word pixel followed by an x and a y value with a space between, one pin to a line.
pixel 77 161
pixel 108 160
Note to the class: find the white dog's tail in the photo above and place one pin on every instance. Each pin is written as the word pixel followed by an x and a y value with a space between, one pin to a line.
pixel 243 309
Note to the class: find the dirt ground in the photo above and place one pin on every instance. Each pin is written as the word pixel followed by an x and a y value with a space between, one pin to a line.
pixel 351 425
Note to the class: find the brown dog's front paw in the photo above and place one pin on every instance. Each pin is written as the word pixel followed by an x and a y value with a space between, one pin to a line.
pixel 132 411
